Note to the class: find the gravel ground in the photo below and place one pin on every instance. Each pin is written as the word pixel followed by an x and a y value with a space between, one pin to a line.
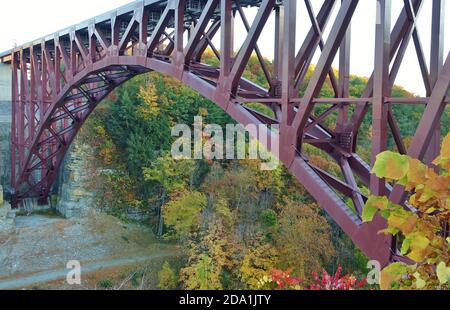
pixel 61 273
pixel 46 243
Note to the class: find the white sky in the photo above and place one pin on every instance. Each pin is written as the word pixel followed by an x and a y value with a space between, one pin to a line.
pixel 43 17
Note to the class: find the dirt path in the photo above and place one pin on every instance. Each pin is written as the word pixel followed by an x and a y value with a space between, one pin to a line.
pixel 38 249
pixel 57 274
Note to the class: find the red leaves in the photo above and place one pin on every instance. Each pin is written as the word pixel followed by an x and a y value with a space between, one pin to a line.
pixel 335 282
pixel 325 281
pixel 283 278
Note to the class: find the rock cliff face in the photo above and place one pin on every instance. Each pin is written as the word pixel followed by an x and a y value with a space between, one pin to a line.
pixel 74 198
pixel 7 217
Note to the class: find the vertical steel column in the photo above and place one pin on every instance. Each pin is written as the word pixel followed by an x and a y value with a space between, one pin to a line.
pixel 278 42
pixel 45 81
pixel 23 98
pixel 115 33
pixel 58 75
pixel 288 62
pixel 179 33
pixel 436 63
pixel 381 89
pixel 14 120
pixel 73 54
pixel 344 79
pixel 437 40
pixel 277 61
pixel 226 37
pixel 143 28
pixel 45 64
pixel 92 52
pixel 36 89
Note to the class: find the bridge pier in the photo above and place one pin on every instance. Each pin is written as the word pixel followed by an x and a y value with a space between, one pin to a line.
pixel 5 137
pixel 5 124
pixel 6 215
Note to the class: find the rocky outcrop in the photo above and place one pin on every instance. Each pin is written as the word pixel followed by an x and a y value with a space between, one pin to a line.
pixel 74 197
pixel 7 216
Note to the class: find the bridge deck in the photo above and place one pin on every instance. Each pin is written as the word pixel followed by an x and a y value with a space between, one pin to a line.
pixel 103 21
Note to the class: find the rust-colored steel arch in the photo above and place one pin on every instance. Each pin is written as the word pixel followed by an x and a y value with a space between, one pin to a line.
pixel 58 81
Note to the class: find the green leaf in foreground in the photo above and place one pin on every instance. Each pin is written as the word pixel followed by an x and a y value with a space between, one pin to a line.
pixel 391 165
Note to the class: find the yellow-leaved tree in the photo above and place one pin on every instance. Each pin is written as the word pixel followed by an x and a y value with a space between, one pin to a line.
pixel 423 232
pixel 150 107
pixel 303 239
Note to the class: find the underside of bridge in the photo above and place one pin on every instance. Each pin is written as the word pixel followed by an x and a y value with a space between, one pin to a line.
pixel 57 81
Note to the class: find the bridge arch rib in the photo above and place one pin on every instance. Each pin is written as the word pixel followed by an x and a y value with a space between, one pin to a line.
pixel 59 80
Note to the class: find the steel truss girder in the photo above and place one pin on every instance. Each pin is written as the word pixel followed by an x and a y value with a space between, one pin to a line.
pixel 58 82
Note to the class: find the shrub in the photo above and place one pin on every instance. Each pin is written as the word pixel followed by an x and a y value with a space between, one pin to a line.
pixel 105 283
pixel 423 239
pixel 167 278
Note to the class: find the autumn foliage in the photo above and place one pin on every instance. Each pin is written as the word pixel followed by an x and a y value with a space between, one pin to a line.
pixel 235 223
pixel 285 280
pixel 423 228
pixel 335 282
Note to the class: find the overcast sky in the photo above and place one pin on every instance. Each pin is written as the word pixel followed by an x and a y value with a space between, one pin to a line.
pixel 25 20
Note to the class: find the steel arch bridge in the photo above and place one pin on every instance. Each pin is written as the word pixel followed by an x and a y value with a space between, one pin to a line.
pixel 57 81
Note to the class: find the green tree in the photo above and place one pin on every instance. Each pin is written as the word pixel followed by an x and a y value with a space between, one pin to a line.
pixel 167 278
pixel 169 175
pixel 204 275
pixel 303 239
pixel 183 213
